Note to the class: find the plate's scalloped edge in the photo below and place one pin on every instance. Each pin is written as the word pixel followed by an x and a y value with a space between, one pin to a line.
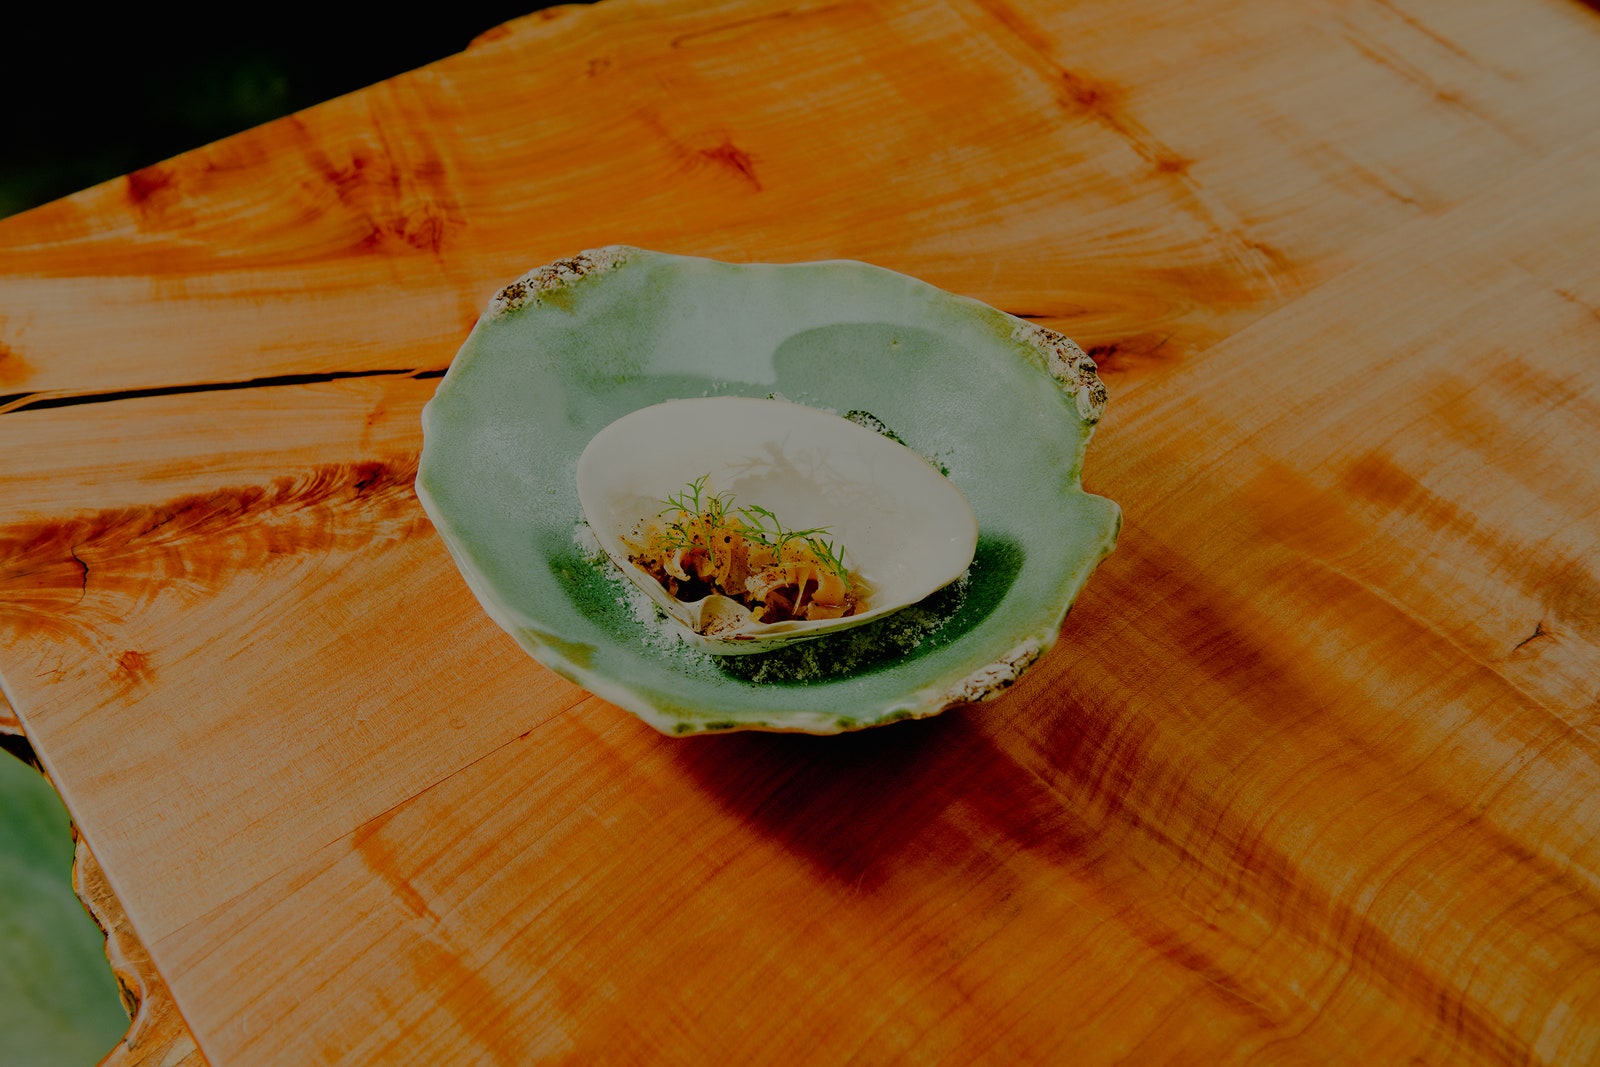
pixel 558 275
pixel 990 681
pixel 1070 365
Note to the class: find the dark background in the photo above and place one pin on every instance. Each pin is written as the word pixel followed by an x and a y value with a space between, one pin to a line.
pixel 87 95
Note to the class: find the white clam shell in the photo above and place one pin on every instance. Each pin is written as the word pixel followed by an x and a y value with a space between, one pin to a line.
pixel 903 527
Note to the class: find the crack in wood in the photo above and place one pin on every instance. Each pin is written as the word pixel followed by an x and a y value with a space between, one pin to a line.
pixel 1538 632
pixel 84 588
pixel 39 401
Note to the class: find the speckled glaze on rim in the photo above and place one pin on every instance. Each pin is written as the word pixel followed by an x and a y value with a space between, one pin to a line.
pixel 1003 407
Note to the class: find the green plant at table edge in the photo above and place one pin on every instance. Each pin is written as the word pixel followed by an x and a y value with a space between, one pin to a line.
pixel 59 1005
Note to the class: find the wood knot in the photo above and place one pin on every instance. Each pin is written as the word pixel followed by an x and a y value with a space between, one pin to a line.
pixel 133 666
pixel 735 159
pixel 147 182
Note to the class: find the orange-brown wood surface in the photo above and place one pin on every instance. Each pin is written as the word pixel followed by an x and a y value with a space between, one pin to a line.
pixel 1310 777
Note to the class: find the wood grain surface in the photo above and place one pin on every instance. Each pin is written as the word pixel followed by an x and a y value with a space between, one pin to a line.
pixel 1311 776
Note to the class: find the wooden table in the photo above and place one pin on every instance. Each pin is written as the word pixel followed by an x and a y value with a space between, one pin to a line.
pixel 1311 776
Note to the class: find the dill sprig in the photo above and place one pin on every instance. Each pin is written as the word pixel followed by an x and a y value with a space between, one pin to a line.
pixel 696 513
pixel 829 555
pixel 763 527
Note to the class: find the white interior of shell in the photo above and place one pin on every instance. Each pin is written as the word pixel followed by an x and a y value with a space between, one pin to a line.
pixel 905 530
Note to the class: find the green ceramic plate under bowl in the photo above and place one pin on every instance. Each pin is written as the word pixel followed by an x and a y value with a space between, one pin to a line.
pixel 1002 407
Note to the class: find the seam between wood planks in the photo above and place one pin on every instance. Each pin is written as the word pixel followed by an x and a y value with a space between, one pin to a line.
pixel 39 401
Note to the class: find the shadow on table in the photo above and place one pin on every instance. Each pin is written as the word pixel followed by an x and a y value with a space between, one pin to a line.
pixel 863 806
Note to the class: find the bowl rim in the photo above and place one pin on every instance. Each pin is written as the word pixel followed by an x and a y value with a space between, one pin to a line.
pixel 1072 370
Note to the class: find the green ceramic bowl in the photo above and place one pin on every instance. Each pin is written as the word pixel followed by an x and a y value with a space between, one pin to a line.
pixel 1004 408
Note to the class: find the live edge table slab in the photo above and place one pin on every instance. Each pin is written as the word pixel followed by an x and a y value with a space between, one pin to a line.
pixel 1311 775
